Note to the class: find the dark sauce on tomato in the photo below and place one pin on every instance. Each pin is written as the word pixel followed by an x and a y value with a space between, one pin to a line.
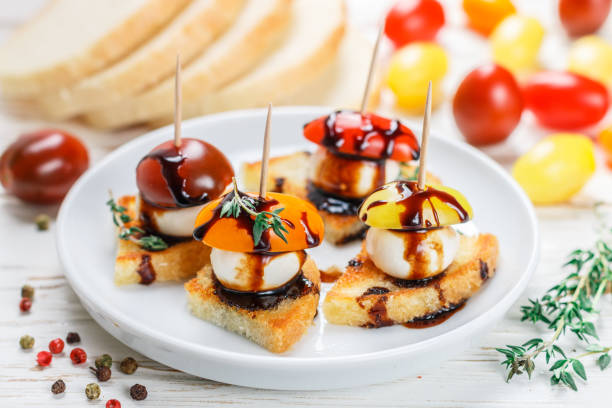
pixel 413 202
pixel 312 238
pixel 296 288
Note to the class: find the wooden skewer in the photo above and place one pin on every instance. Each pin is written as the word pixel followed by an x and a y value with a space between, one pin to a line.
pixel 366 92
pixel 424 138
pixel 178 110
pixel 263 177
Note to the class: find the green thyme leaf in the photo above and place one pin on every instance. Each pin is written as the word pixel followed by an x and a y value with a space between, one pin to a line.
pixel 603 361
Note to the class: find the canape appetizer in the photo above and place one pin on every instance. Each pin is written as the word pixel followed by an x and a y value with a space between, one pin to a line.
pixel 414 267
pixel 260 283
pixel 357 153
pixel 156 226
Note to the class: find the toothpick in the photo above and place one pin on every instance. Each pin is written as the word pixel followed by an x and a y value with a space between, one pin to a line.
pixel 177 102
pixel 263 178
pixel 424 138
pixel 366 92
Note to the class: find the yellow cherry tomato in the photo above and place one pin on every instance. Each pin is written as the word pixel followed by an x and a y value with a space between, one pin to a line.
pixel 484 15
pixel 516 41
pixel 591 56
pixel 556 168
pixel 410 70
pixel 605 141
pixel 386 207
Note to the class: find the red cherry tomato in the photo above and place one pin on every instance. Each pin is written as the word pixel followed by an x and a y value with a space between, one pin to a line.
pixel 414 20
pixel 41 167
pixel 564 100
pixel 581 17
pixel 191 174
pixel 488 105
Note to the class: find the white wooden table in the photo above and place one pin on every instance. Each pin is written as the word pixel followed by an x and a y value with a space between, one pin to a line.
pixel 474 379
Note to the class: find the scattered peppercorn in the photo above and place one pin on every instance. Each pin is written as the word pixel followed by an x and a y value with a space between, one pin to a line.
pixel 26 342
pixel 92 391
pixel 102 373
pixel 73 337
pixel 78 356
pixel 56 346
pixel 58 387
pixel 113 403
pixel 44 358
pixel 25 304
pixel 128 365
pixel 138 392
pixel 42 222
pixel 27 292
pixel 104 361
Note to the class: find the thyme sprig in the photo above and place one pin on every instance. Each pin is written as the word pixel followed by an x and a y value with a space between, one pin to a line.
pixel 264 220
pixel 569 306
pixel 133 233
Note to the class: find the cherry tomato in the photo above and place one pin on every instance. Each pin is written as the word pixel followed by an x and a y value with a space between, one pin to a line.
pixel 516 41
pixel 591 56
pixel 488 105
pixel 41 167
pixel 580 17
pixel 414 20
pixel 605 141
pixel 556 168
pixel 410 70
pixel 484 15
pixel 563 100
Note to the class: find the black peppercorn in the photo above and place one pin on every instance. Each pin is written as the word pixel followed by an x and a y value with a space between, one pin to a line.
pixel 138 392
pixel 128 365
pixel 58 387
pixel 73 337
pixel 102 373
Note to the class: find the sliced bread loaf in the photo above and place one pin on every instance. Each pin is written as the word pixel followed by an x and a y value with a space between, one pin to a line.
pixel 71 39
pixel 314 36
pixel 258 28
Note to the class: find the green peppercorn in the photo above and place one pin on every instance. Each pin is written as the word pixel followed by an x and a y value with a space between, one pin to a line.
pixel 27 292
pixel 26 342
pixel 92 391
pixel 42 222
pixel 128 365
pixel 104 361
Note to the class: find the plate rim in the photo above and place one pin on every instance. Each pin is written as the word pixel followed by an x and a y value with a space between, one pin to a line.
pixel 275 360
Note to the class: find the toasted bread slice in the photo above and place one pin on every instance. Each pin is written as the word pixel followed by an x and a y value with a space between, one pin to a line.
pixel 178 262
pixel 365 296
pixel 276 329
pixel 289 174
pixel 71 39
pixel 189 33
pixel 257 30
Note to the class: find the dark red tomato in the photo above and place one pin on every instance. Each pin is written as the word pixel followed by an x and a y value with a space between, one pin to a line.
pixel 414 20
pixel 581 17
pixel 191 174
pixel 563 100
pixel 488 105
pixel 41 167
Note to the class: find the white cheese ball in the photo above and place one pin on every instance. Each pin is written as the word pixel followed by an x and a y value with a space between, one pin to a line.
pixel 177 222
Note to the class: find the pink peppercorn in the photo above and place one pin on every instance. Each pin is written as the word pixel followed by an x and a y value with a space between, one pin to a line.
pixel 25 304
pixel 113 404
pixel 78 356
pixel 56 346
pixel 44 358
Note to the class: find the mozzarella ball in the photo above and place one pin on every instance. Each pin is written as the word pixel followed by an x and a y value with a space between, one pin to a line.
pixel 251 272
pixel 350 177
pixel 412 255
pixel 177 222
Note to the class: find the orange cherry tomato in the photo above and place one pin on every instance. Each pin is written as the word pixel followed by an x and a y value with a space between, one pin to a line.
pixel 300 218
pixel 414 20
pixel 581 17
pixel 484 15
pixel 605 141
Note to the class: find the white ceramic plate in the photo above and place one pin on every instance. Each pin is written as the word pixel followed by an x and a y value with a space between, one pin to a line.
pixel 155 321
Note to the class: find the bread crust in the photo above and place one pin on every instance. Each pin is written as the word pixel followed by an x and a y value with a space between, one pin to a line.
pixel 113 46
pixel 365 296
pixel 178 262
pixel 275 329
